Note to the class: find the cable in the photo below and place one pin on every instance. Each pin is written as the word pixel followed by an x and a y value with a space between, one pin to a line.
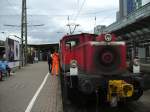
pixel 75 18
pixel 66 15
pixel 12 6
pixel 79 11
pixel 98 12
pixel 10 3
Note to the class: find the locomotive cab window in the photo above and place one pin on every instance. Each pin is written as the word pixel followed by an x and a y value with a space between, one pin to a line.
pixel 71 43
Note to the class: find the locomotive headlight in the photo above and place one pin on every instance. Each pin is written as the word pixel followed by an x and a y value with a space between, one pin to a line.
pixel 73 64
pixel 73 68
pixel 108 37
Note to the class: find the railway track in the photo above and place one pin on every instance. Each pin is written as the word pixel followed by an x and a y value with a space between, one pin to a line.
pixel 142 105
pixel 131 107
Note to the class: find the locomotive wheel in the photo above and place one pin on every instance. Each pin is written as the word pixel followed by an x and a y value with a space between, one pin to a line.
pixel 70 95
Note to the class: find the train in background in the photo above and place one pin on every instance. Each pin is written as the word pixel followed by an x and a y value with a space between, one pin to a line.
pixel 92 64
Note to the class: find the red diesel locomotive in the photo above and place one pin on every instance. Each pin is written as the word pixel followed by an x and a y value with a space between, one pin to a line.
pixel 97 64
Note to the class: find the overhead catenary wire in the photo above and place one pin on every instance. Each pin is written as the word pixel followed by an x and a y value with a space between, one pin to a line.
pixel 91 13
pixel 75 18
pixel 98 20
pixel 79 11
pixel 65 15
pixel 13 7
pixel 16 13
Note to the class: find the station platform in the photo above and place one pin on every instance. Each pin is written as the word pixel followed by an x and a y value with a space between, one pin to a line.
pixel 31 89
pixel 145 67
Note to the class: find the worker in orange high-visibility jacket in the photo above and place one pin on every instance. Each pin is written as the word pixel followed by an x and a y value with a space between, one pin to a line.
pixel 55 63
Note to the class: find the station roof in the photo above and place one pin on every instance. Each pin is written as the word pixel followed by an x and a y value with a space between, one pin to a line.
pixel 43 45
pixel 134 27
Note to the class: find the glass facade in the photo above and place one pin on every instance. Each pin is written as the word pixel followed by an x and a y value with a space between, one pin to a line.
pixel 130 6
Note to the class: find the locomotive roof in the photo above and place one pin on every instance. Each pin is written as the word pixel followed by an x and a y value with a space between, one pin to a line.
pixel 74 35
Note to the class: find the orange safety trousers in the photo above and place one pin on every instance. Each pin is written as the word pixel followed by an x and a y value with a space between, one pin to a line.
pixel 55 64
pixel 55 68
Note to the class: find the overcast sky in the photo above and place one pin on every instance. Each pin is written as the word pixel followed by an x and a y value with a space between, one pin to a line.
pixel 53 15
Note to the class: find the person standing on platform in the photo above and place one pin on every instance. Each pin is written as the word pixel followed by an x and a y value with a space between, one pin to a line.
pixel 55 63
pixel 49 60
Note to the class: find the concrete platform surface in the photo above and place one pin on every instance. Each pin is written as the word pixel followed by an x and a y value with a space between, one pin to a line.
pixel 17 91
